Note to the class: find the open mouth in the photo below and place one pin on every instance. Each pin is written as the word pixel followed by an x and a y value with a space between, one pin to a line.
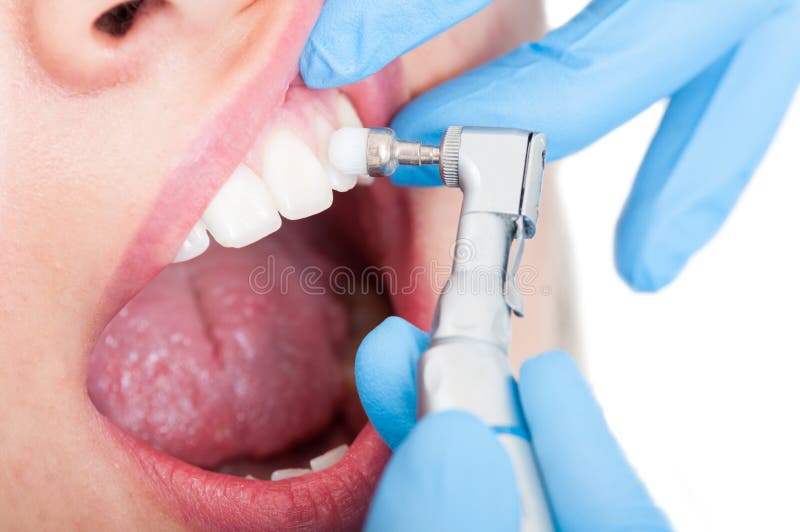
pixel 232 375
pixel 229 374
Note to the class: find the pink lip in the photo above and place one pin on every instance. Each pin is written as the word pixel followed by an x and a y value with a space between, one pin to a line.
pixel 210 160
pixel 338 497
pixel 334 499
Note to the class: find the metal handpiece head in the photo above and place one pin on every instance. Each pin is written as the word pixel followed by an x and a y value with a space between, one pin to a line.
pixel 500 170
pixel 376 152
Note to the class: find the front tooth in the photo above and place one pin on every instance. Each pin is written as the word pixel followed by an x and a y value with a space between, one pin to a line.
pixel 328 459
pixel 339 181
pixel 283 474
pixel 346 113
pixel 195 244
pixel 295 177
pixel 242 212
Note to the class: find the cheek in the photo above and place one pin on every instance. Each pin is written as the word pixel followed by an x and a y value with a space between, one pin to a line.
pixel 79 171
pixel 85 158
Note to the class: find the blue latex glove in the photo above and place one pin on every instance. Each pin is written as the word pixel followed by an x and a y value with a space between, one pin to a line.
pixel 450 473
pixel 731 69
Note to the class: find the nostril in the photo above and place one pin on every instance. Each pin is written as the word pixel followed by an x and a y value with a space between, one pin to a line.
pixel 88 45
pixel 118 20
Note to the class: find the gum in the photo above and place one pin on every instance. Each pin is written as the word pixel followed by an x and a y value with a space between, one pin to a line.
pixel 311 115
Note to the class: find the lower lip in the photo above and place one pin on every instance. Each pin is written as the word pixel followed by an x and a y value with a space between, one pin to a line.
pixel 334 499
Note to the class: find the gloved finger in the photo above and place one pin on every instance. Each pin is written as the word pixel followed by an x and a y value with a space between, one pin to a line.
pixel 713 135
pixel 583 80
pixel 589 482
pixel 386 365
pixel 450 474
pixel 354 39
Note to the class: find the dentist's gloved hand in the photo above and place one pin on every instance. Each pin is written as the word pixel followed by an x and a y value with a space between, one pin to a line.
pixel 731 69
pixel 450 473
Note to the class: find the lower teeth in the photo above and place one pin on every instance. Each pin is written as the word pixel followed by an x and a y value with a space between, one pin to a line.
pixel 283 474
pixel 328 459
pixel 321 462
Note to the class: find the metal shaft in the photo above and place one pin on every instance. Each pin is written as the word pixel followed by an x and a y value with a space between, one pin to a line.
pixel 385 152
pixel 416 153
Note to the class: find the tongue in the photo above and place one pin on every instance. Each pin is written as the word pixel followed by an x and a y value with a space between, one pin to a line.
pixel 207 368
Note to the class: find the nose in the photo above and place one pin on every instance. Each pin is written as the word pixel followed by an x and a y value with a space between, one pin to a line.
pixel 88 44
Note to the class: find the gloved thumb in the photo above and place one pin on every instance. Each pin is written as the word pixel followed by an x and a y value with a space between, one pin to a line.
pixel 449 474
pixel 386 377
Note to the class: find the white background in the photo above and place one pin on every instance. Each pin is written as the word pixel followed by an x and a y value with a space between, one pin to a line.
pixel 699 382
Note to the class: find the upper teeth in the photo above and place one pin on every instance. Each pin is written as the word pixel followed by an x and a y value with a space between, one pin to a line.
pixel 295 181
pixel 242 211
pixel 196 243
pixel 295 176
pixel 339 181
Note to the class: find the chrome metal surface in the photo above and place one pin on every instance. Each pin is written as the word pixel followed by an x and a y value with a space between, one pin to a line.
pixel 385 153
pixel 451 148
pixel 466 366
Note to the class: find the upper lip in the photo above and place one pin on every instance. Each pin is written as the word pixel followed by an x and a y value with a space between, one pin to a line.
pixel 208 161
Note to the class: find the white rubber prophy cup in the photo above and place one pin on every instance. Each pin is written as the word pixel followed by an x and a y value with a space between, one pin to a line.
pixel 347 150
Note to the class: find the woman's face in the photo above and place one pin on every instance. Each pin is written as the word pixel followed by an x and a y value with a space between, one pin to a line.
pixel 139 394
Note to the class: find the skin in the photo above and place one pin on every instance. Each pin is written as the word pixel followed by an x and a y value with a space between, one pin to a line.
pixel 85 139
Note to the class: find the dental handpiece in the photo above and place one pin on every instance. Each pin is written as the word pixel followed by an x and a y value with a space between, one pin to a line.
pixel 466 366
